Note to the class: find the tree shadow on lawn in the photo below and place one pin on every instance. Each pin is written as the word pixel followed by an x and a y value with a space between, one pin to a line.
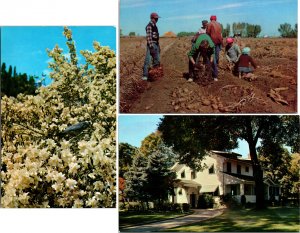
pixel 245 220
pixel 133 218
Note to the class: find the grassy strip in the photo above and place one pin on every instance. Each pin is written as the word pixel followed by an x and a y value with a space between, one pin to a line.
pixel 127 219
pixel 275 219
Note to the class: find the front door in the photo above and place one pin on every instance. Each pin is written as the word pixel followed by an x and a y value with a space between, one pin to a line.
pixel 193 200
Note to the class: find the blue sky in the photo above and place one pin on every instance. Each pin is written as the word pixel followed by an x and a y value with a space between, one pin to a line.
pixel 134 128
pixel 186 15
pixel 25 46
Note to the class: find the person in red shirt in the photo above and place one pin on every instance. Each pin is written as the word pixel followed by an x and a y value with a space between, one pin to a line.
pixel 214 30
pixel 245 61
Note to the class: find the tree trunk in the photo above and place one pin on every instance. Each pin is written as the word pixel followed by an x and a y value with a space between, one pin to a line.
pixel 258 178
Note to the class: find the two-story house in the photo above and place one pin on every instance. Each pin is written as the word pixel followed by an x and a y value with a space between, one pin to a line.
pixel 223 173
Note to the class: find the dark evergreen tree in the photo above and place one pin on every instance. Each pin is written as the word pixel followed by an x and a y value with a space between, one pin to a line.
pixel 136 179
pixel 13 83
pixel 160 182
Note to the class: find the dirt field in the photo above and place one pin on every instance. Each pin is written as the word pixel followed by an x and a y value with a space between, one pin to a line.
pixel 273 91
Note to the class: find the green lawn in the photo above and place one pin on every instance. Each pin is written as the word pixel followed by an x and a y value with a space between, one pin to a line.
pixel 137 218
pixel 246 220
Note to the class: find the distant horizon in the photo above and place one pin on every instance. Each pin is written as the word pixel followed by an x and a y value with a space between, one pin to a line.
pixel 186 15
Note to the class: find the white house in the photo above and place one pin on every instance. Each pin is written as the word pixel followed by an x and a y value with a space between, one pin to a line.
pixel 225 173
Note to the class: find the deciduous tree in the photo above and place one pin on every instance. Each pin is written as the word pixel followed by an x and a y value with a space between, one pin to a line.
pixel 193 136
pixel 126 155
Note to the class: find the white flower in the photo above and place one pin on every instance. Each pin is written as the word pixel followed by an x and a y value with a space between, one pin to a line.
pixel 23 198
pixel 70 183
pixel 57 187
pixel 59 177
pixel 73 167
pixel 98 185
pixel 92 202
pixel 91 175
pixel 78 203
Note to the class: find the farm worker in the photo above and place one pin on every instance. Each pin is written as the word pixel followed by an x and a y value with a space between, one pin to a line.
pixel 206 47
pixel 214 30
pixel 202 30
pixel 153 48
pixel 233 52
pixel 245 61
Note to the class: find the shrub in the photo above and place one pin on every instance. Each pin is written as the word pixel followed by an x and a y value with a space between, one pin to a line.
pixel 47 165
pixel 243 200
pixel 205 201
pixel 186 207
pixel 176 207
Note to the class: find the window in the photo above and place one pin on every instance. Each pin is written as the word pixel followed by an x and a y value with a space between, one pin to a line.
pixel 276 191
pixel 247 169
pixel 273 191
pixel 180 191
pixel 183 174
pixel 211 170
pixel 193 175
pixel 249 189
pixel 238 169
pixel 235 189
pixel 228 167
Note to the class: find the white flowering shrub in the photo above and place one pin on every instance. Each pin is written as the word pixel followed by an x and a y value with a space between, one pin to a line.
pixel 43 163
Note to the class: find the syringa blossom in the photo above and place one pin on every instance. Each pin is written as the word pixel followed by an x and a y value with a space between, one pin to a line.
pixel 41 165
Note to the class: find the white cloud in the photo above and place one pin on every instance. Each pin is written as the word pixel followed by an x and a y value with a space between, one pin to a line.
pixel 233 5
pixel 250 4
pixel 187 17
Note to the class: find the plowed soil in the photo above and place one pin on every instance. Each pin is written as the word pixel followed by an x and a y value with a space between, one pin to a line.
pixel 273 91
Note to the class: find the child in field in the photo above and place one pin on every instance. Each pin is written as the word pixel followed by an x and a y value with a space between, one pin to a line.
pixel 233 53
pixel 245 61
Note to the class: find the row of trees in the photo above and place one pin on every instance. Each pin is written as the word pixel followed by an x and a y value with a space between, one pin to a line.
pixel 287 31
pixel 245 30
pixel 13 83
pixel 145 169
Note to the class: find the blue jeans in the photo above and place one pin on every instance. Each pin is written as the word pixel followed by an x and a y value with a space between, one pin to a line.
pixel 245 69
pixel 216 60
pixel 217 52
pixel 215 69
pixel 148 59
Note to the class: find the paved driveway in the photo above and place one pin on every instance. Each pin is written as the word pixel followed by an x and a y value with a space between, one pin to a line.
pixel 197 216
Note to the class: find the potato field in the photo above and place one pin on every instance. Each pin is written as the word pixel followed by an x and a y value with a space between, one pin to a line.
pixel 272 90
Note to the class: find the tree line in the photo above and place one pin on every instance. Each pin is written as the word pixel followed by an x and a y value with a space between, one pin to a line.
pixel 250 30
pixel 13 83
